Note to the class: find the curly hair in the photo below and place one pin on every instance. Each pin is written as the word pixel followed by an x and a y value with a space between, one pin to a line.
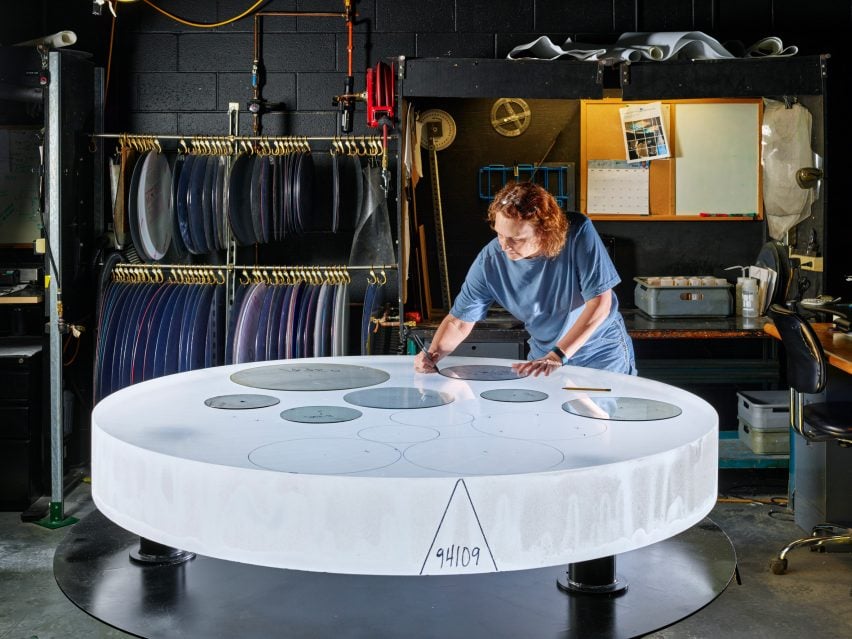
pixel 531 203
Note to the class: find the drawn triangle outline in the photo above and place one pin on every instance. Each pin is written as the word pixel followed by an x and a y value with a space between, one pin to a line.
pixel 455 551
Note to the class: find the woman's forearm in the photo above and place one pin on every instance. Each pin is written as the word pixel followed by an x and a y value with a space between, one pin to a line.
pixel 451 332
pixel 595 311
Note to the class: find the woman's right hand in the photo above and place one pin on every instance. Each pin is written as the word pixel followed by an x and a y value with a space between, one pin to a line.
pixel 425 364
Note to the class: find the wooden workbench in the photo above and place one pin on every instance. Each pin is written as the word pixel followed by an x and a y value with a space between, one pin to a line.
pixel 837 346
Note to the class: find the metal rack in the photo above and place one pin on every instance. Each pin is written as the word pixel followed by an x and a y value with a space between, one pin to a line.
pixel 233 145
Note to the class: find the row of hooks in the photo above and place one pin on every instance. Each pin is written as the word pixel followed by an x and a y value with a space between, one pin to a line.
pixel 140 143
pixel 288 275
pixel 143 274
pixel 270 275
pixel 210 145
pixel 234 145
pixel 371 147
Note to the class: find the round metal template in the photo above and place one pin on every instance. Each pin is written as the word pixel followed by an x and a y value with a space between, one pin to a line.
pixel 480 372
pixel 320 414
pixel 396 397
pixel 155 222
pixel 237 402
pixel 621 409
pixel 310 377
pixel 513 395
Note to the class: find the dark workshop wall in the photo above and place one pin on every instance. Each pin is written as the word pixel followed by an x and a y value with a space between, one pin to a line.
pixel 170 78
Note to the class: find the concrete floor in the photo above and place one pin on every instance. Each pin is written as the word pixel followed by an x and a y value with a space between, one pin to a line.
pixel 813 599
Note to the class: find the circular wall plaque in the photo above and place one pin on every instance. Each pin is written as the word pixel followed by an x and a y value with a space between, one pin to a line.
pixel 439 129
pixel 510 116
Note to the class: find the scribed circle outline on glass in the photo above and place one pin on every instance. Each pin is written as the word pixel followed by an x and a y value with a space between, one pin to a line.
pixel 394 434
pixel 412 418
pixel 539 426
pixel 306 456
pixel 479 456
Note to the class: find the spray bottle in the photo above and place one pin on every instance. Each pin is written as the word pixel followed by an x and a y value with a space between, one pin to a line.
pixel 745 294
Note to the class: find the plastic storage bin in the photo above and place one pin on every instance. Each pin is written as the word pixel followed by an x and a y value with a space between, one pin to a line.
pixel 764 421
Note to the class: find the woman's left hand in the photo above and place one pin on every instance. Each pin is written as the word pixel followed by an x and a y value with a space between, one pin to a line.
pixel 541 366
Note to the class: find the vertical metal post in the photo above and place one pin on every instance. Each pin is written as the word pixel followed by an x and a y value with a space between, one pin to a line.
pixel 400 241
pixel 230 242
pixel 53 184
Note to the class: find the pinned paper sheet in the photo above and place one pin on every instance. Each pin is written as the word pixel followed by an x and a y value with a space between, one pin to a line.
pixel 615 186
pixel 644 133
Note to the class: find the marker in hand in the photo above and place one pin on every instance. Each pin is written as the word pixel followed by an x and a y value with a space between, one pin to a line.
pixel 419 342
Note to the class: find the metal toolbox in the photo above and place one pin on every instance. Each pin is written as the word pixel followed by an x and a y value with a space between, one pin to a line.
pixel 686 300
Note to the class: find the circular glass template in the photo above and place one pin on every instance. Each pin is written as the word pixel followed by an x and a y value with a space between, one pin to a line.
pixel 238 402
pixel 621 409
pixel 320 414
pixel 513 395
pixel 480 372
pixel 310 377
pixel 398 397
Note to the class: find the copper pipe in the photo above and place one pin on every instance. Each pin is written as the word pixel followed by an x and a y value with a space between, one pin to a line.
pixel 308 14
pixel 350 20
pixel 347 15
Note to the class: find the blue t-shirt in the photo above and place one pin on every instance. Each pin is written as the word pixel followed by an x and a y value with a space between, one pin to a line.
pixel 547 295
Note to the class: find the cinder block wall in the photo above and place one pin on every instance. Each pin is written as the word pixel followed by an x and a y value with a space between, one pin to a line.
pixel 171 78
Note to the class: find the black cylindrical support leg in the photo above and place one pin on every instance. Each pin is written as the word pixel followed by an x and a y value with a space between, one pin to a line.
pixel 154 554
pixel 596 576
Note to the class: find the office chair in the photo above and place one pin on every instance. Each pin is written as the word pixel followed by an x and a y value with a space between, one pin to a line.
pixel 824 422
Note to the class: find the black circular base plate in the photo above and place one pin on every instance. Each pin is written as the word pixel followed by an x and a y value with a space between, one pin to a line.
pixel 212 598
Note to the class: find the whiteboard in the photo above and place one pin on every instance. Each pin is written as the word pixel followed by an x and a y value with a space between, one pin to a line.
pixel 717 158
pixel 19 161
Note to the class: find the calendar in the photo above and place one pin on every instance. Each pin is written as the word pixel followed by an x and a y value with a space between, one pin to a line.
pixel 616 186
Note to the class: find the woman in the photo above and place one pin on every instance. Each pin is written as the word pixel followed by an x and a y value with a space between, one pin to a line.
pixel 551 271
